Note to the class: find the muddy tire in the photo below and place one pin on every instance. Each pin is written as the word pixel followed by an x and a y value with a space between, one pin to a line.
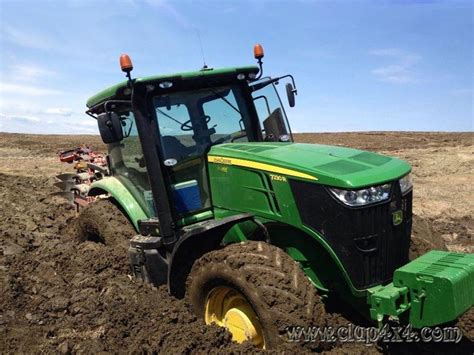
pixel 103 221
pixel 423 239
pixel 273 284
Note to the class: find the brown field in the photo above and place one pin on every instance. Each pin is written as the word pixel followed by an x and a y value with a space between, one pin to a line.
pixel 59 295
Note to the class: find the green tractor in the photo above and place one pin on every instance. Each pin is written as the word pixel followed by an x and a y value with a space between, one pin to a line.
pixel 256 231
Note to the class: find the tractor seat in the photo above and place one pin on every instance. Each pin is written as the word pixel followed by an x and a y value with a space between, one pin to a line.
pixel 173 148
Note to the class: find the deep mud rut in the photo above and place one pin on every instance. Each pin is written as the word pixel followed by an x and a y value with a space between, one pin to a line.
pixel 59 295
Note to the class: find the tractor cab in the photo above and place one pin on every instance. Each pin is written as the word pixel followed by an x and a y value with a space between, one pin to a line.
pixel 180 118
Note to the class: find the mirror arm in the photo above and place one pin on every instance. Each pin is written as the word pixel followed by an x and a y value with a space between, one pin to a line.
pixel 295 90
pixel 109 102
pixel 89 112
pixel 93 109
pixel 275 80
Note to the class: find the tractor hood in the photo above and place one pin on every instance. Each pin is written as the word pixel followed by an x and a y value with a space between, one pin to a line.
pixel 328 165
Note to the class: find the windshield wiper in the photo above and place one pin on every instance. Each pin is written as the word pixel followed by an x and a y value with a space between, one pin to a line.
pixel 170 117
pixel 226 101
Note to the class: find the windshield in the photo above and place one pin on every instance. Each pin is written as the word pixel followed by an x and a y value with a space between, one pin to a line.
pixel 192 121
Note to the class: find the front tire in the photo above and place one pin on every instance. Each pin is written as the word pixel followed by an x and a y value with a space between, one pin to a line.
pixel 257 288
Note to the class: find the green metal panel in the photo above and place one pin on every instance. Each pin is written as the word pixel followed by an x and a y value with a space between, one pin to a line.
pixel 117 89
pixel 328 165
pixel 194 218
pixel 441 286
pixel 270 198
pixel 436 288
pixel 120 193
pixel 259 173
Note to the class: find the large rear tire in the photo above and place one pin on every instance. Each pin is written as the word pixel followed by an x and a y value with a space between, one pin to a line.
pixel 103 221
pixel 254 288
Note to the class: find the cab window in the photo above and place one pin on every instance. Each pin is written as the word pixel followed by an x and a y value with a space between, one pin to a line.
pixel 127 163
pixel 271 113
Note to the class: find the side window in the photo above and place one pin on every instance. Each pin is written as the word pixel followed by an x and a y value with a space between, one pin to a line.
pixel 130 146
pixel 270 113
pixel 128 165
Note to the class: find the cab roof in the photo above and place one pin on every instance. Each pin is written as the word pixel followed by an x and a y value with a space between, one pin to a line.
pixel 118 90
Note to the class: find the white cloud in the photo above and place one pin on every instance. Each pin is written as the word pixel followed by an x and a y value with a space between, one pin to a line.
pixel 26 39
pixel 28 90
pixel 28 73
pixel 401 70
pixel 61 111
pixel 171 11
pixel 394 74
pixel 394 52
pixel 89 123
pixel 21 118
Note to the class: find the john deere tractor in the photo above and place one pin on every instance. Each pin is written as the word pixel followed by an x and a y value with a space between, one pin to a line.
pixel 220 205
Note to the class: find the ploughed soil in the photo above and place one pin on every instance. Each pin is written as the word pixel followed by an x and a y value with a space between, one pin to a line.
pixel 59 295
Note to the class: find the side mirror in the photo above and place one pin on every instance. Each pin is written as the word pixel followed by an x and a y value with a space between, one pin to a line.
pixel 290 93
pixel 110 127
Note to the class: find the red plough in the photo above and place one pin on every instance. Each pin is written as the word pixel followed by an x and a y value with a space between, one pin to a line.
pixel 89 166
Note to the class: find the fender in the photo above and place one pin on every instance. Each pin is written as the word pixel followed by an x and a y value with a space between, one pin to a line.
pixel 119 192
pixel 194 243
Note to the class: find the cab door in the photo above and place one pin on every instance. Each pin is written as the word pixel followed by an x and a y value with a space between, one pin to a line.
pixel 184 160
pixel 190 123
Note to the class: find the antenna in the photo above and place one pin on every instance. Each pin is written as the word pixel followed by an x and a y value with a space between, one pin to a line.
pixel 202 50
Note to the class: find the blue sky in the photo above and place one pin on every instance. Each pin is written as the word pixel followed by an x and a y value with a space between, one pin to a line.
pixel 359 65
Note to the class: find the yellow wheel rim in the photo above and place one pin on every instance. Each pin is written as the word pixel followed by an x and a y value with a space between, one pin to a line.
pixel 228 308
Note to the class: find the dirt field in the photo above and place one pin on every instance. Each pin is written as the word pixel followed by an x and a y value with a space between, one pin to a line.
pixel 59 295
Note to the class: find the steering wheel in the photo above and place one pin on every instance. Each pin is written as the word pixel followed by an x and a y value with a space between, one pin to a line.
pixel 187 126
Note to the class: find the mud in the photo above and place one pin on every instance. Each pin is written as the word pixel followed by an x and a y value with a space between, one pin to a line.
pixel 60 295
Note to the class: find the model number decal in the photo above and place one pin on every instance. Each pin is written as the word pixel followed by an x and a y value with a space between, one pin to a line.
pixel 278 178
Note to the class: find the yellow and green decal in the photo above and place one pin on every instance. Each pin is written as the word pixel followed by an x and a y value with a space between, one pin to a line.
pixel 259 166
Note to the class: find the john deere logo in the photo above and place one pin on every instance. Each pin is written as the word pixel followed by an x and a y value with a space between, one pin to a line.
pixel 397 217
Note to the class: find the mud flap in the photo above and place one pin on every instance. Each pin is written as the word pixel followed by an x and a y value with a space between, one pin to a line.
pixel 146 262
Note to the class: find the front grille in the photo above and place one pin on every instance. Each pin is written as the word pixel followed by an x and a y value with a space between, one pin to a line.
pixel 365 239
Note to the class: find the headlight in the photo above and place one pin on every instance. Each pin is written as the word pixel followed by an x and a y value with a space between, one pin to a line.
pixel 406 184
pixel 362 197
